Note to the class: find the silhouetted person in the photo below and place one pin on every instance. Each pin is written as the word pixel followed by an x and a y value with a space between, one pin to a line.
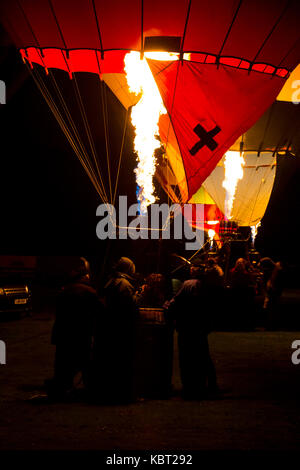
pixel 213 284
pixel 214 275
pixel 191 317
pixel 240 277
pixel 153 292
pixel 115 337
pixel 241 299
pixel 273 291
pixel 76 311
pixel 266 265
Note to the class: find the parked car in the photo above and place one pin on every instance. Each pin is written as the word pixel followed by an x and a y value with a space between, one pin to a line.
pixel 15 296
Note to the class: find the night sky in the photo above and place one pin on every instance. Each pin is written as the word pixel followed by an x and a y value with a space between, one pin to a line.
pixel 48 204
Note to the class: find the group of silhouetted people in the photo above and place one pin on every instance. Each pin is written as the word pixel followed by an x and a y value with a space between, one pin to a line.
pixel 95 335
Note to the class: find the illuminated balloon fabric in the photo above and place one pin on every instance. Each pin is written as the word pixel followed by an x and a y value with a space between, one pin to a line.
pixel 83 26
pixel 211 213
pixel 291 90
pixel 211 108
pixel 235 48
pixel 278 130
pixel 253 190
pixel 275 130
pixel 118 84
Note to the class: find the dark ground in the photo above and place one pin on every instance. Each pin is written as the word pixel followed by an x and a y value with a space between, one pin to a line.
pixel 260 411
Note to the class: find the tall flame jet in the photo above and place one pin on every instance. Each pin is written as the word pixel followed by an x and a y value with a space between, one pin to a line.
pixel 145 117
pixel 233 164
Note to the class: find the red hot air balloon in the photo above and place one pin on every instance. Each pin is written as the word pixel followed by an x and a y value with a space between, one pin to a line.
pixel 241 53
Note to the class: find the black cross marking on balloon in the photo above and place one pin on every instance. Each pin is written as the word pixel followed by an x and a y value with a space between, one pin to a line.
pixel 206 138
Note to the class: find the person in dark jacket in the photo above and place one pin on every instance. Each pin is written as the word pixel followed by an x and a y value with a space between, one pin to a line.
pixel 76 311
pixel 153 292
pixel 241 296
pixel 274 285
pixel 114 350
pixel 189 311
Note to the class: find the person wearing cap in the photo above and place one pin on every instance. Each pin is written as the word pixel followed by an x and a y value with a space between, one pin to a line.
pixel 76 310
pixel 115 339
pixel 189 312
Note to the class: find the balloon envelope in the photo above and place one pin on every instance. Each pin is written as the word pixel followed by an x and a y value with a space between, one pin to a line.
pixel 241 53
